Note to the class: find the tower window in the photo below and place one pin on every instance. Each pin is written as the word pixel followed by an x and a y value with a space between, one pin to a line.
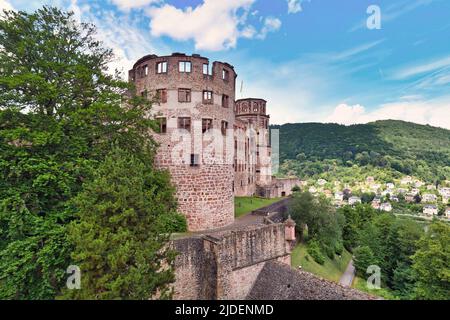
pixel 146 70
pixel 207 97
pixel 184 95
pixel 161 95
pixel 206 125
pixel 162 122
pixel 184 66
pixel 224 127
pixel 207 70
pixel 195 160
pixel 225 75
pixel 225 101
pixel 184 123
pixel 161 67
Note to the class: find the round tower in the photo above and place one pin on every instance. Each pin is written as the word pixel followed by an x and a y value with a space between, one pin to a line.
pixel 195 109
pixel 253 111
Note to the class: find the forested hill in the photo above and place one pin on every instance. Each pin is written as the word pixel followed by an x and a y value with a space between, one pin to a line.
pixel 385 149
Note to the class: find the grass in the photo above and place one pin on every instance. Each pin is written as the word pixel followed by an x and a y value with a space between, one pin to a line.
pixel 243 205
pixel 360 284
pixel 331 269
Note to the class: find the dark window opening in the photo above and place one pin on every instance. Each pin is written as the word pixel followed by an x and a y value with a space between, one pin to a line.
pixel 207 97
pixel 162 122
pixel 225 101
pixel 224 127
pixel 184 123
pixel 161 95
pixel 206 125
pixel 195 160
pixel 184 95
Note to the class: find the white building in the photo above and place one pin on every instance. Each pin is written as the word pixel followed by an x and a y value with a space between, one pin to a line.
pixel 354 200
pixel 430 210
pixel 390 185
pixel 339 196
pixel 321 182
pixel 312 190
pixel 386 206
pixel 406 180
pixel 429 197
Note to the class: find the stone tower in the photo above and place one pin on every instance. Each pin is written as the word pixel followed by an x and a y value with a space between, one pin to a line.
pixel 253 111
pixel 195 111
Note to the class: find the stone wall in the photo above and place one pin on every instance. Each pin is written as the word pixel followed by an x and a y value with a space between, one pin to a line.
pixel 226 265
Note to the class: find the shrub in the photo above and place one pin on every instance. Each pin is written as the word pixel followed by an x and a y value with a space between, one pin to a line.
pixel 339 247
pixel 315 252
pixel 174 223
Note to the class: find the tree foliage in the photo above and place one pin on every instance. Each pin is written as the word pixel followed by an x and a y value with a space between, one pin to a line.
pixel 431 263
pixel 60 113
pixel 120 234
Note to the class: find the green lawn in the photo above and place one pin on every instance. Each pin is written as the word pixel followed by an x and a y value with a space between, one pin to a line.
pixel 243 205
pixel 360 284
pixel 331 269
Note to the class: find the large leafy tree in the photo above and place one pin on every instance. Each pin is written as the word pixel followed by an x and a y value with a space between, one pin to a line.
pixel 60 112
pixel 431 263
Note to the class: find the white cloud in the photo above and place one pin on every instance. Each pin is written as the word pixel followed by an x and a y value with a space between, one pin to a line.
pixel 433 112
pixel 295 6
pixel 131 4
pixel 270 25
pixel 119 32
pixel 5 5
pixel 213 25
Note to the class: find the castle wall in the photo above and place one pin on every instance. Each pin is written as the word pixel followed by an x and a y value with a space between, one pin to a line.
pixel 225 266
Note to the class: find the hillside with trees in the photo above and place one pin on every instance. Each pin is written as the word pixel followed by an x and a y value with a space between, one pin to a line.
pixel 384 149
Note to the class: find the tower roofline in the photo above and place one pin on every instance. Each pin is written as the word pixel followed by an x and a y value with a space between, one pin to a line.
pixel 246 99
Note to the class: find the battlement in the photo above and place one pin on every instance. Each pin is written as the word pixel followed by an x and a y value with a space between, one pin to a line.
pixel 183 71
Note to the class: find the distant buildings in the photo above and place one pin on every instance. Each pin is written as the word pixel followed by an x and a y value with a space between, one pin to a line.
pixel 339 196
pixel 354 200
pixel 429 198
pixel 406 180
pixel 410 197
pixel 386 206
pixel 376 203
pixel 430 210
pixel 322 182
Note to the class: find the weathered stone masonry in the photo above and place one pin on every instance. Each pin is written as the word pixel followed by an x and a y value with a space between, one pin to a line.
pixel 195 101
pixel 226 265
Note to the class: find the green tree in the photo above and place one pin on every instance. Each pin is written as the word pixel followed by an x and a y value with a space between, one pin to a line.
pixel 431 263
pixel 364 258
pixel 120 237
pixel 60 112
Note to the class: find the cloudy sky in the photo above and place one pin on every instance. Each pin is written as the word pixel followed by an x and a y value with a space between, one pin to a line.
pixel 313 60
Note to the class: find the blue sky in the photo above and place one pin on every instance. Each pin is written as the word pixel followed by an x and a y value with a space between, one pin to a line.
pixel 313 60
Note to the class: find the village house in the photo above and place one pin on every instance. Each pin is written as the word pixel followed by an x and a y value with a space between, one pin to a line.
pixel 430 210
pixel 415 191
pixel 447 212
pixel 394 198
pixel 390 185
pixel 339 196
pixel 312 190
pixel 431 187
pixel 402 191
pixel 445 199
pixel 370 180
pixel 375 187
pixel 418 183
pixel 406 180
pixel 386 206
pixel 410 197
pixel 321 182
pixel 376 203
pixel 354 200
pixel 429 198
pixel 444 191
